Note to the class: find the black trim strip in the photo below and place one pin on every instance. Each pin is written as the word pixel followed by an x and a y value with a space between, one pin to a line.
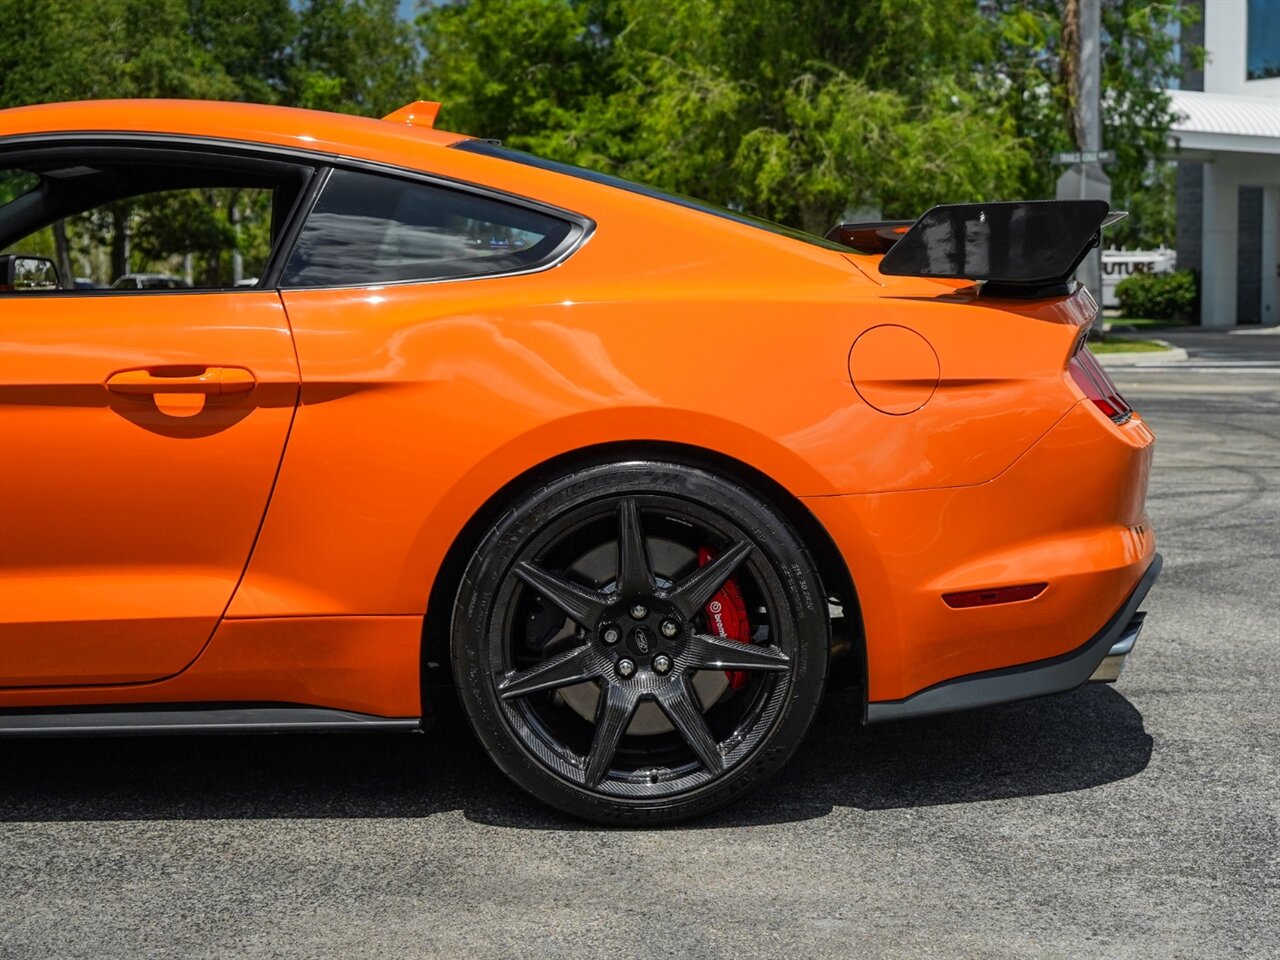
pixel 288 238
pixel 1038 679
pixel 167 718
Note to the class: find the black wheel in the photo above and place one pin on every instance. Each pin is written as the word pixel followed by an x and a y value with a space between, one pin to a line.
pixel 640 642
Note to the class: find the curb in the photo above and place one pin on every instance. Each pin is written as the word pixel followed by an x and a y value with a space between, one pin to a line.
pixel 1138 358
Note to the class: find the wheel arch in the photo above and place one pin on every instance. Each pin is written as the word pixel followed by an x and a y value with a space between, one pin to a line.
pixel 837 581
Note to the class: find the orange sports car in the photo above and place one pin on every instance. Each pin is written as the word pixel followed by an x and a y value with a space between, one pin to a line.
pixel 303 414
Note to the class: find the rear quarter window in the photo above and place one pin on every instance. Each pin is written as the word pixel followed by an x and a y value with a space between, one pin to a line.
pixel 367 228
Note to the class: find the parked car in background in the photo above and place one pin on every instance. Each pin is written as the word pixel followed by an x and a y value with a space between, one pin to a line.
pixel 149 281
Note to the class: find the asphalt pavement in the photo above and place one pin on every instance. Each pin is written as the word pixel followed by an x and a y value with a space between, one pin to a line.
pixel 1135 820
pixel 1247 346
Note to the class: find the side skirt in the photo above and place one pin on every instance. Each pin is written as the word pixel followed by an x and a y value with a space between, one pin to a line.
pixel 200 719
pixel 1038 679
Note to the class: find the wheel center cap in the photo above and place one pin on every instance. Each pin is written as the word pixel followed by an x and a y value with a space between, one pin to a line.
pixel 642 641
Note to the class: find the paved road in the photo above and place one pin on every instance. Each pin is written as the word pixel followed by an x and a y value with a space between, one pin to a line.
pixel 1248 347
pixel 1139 820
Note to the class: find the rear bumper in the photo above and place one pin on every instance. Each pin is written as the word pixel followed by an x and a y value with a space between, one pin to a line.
pixel 1100 658
pixel 1069 513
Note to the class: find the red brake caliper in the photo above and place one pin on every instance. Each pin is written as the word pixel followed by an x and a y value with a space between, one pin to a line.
pixel 727 616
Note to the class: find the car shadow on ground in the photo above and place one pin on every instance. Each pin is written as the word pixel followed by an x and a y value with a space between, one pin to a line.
pixel 1070 742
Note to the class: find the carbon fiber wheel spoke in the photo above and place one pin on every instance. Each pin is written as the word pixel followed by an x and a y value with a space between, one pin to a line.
pixel 630 582
pixel 634 575
pixel 681 708
pixel 585 607
pixel 700 586
pixel 715 653
pixel 572 666
pixel 613 716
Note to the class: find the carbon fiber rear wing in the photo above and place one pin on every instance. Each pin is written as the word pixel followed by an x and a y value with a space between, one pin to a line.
pixel 1017 249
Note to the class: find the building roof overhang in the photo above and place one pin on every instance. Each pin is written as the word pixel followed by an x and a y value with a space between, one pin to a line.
pixel 1210 123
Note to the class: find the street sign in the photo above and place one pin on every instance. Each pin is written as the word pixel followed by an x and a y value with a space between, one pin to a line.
pixel 1084 156
pixel 1083 182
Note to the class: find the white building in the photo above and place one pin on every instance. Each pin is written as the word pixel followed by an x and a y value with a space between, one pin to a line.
pixel 1227 143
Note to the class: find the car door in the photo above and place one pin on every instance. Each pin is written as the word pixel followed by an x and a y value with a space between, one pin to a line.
pixel 140 430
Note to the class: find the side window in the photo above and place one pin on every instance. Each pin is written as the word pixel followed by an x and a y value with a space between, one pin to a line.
pixel 367 228
pixel 129 222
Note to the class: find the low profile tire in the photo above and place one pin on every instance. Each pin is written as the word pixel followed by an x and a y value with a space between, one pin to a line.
pixel 640 642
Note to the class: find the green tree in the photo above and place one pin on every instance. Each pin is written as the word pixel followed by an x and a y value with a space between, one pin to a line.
pixel 798 110
pixel 1139 61
pixel 352 56
pixel 214 226
pixel 843 145
pixel 251 41
pixel 802 109
pixel 791 109
pixel 519 70
pixel 126 48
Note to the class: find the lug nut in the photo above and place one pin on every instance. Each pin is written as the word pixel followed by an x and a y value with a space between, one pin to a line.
pixel 626 668
pixel 639 611
pixel 661 663
pixel 670 628
pixel 611 635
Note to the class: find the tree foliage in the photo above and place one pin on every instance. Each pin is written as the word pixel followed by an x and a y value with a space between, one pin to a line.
pixel 797 110
pixel 354 56
pixel 251 43
pixel 1139 61
pixel 53 50
pixel 802 110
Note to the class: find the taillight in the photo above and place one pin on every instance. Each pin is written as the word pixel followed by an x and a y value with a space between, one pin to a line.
pixel 1092 379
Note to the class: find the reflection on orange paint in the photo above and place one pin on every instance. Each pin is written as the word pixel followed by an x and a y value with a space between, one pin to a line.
pixel 179 404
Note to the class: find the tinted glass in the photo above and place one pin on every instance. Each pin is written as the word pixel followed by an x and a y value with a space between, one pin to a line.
pixel 1264 39
pixel 133 225
pixel 367 228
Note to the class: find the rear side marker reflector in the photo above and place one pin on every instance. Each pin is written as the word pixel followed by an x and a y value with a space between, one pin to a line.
pixel 984 598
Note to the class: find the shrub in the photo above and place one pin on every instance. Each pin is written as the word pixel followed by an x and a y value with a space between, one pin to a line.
pixel 1159 296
